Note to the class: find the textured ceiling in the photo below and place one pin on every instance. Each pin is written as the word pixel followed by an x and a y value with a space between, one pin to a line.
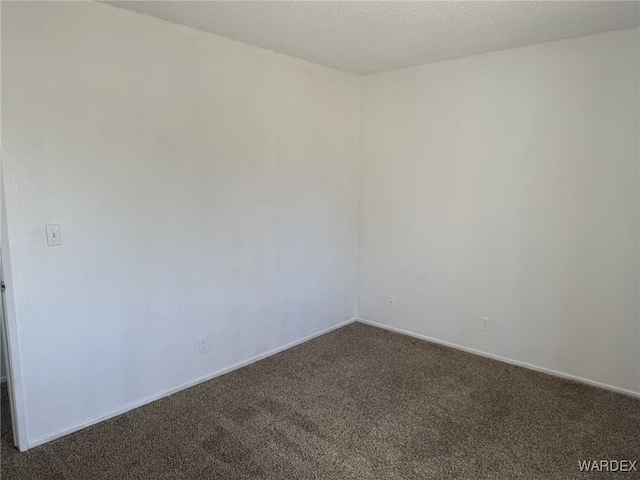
pixel 371 36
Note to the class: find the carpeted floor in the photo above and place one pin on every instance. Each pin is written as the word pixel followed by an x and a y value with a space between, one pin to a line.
pixel 357 403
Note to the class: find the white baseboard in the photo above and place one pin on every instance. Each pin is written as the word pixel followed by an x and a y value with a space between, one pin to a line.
pixel 114 413
pixel 510 361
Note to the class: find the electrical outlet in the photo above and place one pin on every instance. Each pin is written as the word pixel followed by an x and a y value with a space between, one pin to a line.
pixel 203 344
pixel 391 301
pixel 485 324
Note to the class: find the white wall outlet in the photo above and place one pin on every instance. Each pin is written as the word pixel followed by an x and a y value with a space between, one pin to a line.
pixel 203 344
pixel 391 301
pixel 54 237
pixel 485 324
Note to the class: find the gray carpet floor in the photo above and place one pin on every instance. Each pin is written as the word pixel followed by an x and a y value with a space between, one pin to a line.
pixel 357 403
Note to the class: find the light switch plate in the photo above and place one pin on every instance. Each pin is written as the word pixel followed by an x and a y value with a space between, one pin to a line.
pixel 54 237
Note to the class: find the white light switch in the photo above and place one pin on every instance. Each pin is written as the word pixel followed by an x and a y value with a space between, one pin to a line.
pixel 53 235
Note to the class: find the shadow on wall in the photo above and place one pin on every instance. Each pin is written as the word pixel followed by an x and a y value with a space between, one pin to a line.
pixel 3 375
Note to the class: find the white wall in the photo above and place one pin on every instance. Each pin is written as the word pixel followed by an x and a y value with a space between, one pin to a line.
pixel 506 185
pixel 204 187
pixel 2 365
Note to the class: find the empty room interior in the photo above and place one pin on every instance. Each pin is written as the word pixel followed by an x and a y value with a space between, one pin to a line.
pixel 320 240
